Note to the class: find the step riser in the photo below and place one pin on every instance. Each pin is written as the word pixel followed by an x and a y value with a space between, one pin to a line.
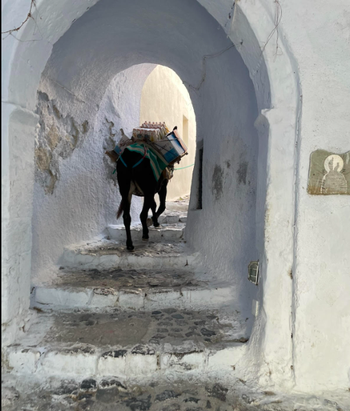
pixel 172 219
pixel 100 364
pixel 55 298
pixel 118 234
pixel 126 262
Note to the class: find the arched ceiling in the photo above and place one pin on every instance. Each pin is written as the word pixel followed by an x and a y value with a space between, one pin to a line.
pixel 115 35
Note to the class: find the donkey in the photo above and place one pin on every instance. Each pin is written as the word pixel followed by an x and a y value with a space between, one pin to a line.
pixel 135 176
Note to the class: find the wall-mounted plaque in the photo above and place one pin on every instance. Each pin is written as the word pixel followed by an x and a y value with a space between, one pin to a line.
pixel 329 173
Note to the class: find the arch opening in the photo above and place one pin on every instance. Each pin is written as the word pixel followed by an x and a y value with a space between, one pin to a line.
pixel 226 144
pixel 165 98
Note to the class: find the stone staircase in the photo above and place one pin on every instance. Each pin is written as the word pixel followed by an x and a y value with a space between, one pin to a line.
pixel 112 313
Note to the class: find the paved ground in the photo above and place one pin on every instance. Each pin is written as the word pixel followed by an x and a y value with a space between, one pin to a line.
pixel 180 205
pixel 119 279
pixel 113 395
pixel 144 248
pixel 115 327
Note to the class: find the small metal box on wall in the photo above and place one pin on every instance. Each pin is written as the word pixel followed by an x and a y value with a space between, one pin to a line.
pixel 253 272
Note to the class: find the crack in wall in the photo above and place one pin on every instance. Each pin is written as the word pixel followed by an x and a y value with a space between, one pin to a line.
pixel 204 67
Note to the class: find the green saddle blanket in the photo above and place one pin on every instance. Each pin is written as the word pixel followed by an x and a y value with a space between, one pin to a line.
pixel 158 164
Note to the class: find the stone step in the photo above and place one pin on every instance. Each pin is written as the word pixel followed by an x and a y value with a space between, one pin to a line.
pixel 167 232
pixel 111 393
pixel 173 218
pixel 124 344
pixel 129 289
pixel 104 254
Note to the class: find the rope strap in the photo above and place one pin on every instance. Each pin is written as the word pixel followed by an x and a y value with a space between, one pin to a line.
pixel 181 168
pixel 135 165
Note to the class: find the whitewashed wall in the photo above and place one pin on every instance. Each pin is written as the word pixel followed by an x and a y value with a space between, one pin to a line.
pixel 320 43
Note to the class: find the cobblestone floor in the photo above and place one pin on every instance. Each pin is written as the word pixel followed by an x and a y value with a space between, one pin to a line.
pixel 120 328
pixel 113 395
pixel 125 279
pixel 144 248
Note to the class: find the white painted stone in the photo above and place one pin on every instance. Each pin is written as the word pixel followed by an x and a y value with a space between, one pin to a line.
pixel 131 300
pixel 112 366
pixel 80 259
pixel 211 296
pixel 72 364
pixel 61 297
pixel 100 300
pixel 138 364
pixel 23 361
pixel 165 233
pixel 169 219
pixel 163 298
pixel 183 362
pixel 147 299
pixel 226 358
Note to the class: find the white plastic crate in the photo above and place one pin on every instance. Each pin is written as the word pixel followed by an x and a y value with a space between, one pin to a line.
pixel 171 147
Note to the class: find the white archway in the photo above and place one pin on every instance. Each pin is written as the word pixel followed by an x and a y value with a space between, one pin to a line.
pixel 277 95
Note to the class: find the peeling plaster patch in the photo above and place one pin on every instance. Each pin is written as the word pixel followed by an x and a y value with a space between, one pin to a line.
pixel 109 143
pixel 43 158
pixel 58 137
pixel 53 137
pixel 57 112
pixel 110 127
pixel 242 172
pixel 85 126
pixel 218 176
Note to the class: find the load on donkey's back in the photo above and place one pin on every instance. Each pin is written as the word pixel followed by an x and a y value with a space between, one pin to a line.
pixel 155 142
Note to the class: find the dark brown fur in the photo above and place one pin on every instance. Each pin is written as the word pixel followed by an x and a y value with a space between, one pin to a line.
pixel 143 177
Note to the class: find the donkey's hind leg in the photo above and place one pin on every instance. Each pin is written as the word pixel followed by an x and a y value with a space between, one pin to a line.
pixel 153 209
pixel 127 223
pixel 154 219
pixel 125 191
pixel 162 196
pixel 147 204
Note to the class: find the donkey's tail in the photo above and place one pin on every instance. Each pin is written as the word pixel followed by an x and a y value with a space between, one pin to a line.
pixel 120 209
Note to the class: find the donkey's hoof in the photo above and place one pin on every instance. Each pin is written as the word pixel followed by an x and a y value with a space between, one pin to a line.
pixel 144 239
pixel 155 223
pixel 130 248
